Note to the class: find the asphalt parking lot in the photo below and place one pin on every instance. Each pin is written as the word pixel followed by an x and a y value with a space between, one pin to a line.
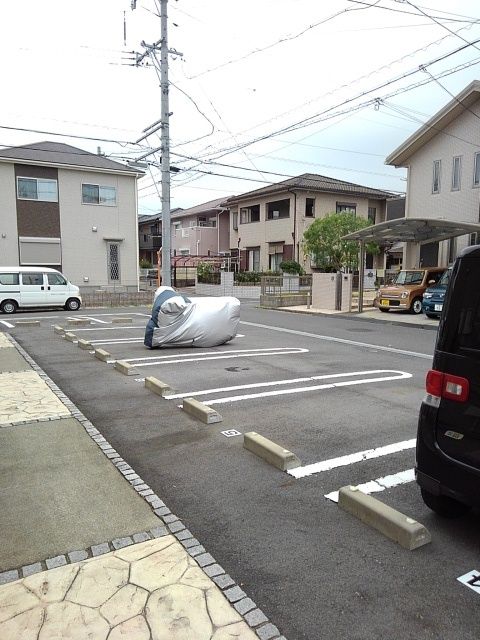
pixel 324 388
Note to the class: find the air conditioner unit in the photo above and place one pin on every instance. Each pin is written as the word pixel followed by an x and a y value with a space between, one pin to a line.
pixel 275 214
pixel 226 254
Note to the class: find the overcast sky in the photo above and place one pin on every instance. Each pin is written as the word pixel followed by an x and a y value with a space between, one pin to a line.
pixel 249 70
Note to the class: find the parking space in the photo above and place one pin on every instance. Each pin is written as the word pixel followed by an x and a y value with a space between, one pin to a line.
pixel 344 401
pixel 264 374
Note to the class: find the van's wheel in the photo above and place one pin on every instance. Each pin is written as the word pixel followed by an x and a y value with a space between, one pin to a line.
pixel 72 304
pixel 416 307
pixel 9 306
pixel 444 506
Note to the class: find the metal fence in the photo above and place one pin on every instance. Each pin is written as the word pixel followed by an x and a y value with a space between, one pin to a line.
pixel 285 291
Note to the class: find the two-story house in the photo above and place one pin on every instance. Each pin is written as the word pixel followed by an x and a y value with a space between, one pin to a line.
pixel 202 230
pixel 443 162
pixel 72 210
pixel 267 224
pixel 150 236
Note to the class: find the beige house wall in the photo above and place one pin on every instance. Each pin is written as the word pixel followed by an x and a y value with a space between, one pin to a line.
pixel 460 138
pixel 84 250
pixel 260 234
pixel 8 217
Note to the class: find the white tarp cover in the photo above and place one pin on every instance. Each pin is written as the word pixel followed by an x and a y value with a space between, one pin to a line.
pixel 191 322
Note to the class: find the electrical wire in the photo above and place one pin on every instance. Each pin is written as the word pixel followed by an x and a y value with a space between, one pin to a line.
pixel 433 19
pixel 278 42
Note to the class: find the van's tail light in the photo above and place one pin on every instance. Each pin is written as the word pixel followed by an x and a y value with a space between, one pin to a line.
pixel 445 385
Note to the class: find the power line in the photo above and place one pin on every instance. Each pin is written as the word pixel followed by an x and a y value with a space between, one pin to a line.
pixel 327 112
pixel 433 19
pixel 410 13
pixel 277 42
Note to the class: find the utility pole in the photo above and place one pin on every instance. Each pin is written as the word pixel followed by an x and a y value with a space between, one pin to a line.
pixel 165 149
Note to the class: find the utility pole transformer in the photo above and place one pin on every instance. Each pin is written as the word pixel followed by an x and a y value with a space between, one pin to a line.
pixel 165 149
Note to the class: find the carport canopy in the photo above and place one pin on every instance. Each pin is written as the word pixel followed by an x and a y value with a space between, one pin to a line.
pixel 421 230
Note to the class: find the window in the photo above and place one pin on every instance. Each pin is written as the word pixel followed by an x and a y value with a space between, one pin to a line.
pixel 346 207
pixel 437 165
pixel 456 171
pixel 96 194
pixel 250 214
pixel 56 278
pixel 184 252
pixel 372 214
pixel 278 209
pixel 35 279
pixel 275 255
pixel 476 170
pixel 473 240
pixel 9 278
pixel 37 189
pixel 113 261
pixel 145 237
pixel 253 258
pixel 310 207
pixel 235 220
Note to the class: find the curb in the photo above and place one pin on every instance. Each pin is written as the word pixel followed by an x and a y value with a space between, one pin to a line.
pixel 396 526
pixel 354 316
pixel 170 524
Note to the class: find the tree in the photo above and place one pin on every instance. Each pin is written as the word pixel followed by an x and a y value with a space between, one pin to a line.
pixel 323 241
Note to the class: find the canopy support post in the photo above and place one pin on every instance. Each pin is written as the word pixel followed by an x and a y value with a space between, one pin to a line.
pixel 361 274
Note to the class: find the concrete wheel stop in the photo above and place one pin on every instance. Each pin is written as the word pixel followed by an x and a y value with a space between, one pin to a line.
pixel 201 411
pixel 272 453
pixel 396 526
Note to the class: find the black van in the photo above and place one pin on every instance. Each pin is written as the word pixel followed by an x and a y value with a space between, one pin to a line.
pixel 448 437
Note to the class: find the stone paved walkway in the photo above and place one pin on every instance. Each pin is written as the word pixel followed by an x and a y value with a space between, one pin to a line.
pixel 150 591
pixel 24 396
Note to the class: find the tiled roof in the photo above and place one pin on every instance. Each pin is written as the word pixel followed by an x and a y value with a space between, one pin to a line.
pixel 155 217
pixel 57 153
pixel 313 182
pixel 205 207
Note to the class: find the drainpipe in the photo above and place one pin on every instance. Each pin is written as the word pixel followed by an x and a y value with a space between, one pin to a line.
pixel 294 234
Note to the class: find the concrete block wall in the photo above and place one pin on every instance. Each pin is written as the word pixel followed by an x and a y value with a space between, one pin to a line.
pixel 323 290
pixel 227 288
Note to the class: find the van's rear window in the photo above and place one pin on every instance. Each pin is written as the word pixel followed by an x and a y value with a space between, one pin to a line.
pixel 9 278
pixel 461 325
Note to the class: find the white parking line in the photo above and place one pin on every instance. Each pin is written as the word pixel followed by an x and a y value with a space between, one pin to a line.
pixel 7 324
pixel 352 343
pixel 319 387
pixel 116 328
pixel 89 318
pixel 352 458
pixel 118 341
pixel 211 355
pixel 255 385
pixel 380 484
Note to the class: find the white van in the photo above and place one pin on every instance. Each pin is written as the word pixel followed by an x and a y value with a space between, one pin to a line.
pixel 36 287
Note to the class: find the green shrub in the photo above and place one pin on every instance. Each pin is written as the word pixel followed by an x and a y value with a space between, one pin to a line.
pixel 293 267
pixel 145 264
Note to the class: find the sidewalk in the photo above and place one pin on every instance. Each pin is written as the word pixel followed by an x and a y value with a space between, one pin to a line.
pixel 88 549
pixel 371 314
